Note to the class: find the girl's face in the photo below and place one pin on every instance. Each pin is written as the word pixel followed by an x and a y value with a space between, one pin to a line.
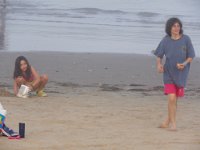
pixel 23 65
pixel 175 29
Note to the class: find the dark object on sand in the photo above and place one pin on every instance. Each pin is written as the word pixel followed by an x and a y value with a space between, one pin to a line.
pixel 22 130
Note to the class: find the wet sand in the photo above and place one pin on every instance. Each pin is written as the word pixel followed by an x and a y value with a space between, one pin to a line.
pixel 99 102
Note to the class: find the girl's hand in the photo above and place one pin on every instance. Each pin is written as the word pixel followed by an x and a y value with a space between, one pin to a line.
pixel 30 87
pixel 160 68
pixel 180 66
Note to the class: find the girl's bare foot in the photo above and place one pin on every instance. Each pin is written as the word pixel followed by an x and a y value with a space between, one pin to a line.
pixel 164 125
pixel 172 128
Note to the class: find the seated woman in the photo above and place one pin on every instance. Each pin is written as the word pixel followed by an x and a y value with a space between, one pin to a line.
pixel 25 74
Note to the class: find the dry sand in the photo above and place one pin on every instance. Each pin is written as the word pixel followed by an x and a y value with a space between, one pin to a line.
pixel 99 102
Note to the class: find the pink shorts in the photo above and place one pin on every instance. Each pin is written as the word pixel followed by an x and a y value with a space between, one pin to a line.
pixel 173 89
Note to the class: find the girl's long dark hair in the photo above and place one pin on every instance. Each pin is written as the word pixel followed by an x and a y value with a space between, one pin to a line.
pixel 18 71
pixel 170 23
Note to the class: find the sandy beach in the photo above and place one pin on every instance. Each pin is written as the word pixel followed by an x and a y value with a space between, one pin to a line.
pixel 99 102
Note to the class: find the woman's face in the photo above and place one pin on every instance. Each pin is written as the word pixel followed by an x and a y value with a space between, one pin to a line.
pixel 23 65
pixel 175 29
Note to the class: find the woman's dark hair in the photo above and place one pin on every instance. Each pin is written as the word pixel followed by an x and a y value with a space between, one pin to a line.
pixel 18 71
pixel 170 23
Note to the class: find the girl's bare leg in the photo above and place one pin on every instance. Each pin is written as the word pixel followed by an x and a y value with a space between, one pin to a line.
pixel 171 118
pixel 43 82
pixel 172 105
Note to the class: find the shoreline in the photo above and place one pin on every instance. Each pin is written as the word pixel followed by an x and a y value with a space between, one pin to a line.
pixel 70 52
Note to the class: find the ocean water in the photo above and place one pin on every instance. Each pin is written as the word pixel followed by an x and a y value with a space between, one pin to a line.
pixel 113 26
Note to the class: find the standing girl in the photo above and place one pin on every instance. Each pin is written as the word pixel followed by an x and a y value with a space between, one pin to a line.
pixel 179 52
pixel 27 75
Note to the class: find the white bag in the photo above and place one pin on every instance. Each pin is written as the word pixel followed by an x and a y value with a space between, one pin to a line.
pixel 23 91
